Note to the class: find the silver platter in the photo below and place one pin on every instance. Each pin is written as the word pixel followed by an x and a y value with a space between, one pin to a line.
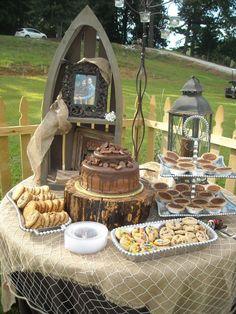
pixel 228 209
pixel 40 231
pixel 168 251
pixel 198 173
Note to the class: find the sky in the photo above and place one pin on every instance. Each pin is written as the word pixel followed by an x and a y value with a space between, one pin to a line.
pixel 173 38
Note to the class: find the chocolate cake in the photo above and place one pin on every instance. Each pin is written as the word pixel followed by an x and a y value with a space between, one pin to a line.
pixel 110 170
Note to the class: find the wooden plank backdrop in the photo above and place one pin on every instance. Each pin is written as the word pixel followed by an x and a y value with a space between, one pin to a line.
pixel 24 130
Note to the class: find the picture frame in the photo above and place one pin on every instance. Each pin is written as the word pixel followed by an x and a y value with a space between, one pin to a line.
pixel 86 140
pixel 84 90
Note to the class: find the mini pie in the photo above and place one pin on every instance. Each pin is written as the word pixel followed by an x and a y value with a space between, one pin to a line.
pixel 209 156
pixel 186 165
pixel 186 194
pixel 201 162
pixel 175 208
pixel 214 188
pixel 206 195
pixel 181 201
pixel 199 187
pixel 200 202
pixel 209 168
pixel 169 162
pixel 164 197
pixel 172 155
pixel 218 201
pixel 194 209
pixel 224 170
pixel 213 209
pixel 160 186
pixel 182 187
pixel 174 193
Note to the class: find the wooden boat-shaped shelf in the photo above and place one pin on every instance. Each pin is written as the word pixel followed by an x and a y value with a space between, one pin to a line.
pixel 85 38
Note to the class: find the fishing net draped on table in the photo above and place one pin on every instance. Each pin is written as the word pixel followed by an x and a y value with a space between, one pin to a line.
pixel 54 280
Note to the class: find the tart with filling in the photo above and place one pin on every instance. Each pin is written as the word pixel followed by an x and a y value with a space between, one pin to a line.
pixel 206 195
pixel 218 201
pixel 213 209
pixel 181 201
pixel 169 162
pixel 187 166
pixel 224 170
pixel 172 155
pixel 164 197
pixel 160 186
pixel 214 188
pixel 182 187
pixel 200 202
pixel 175 208
pixel 209 156
pixel 173 192
pixel 194 209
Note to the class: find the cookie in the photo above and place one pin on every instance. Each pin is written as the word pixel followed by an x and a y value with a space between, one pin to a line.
pixel 56 205
pixel 38 223
pixel 119 232
pixel 202 236
pixel 178 239
pixel 189 221
pixel 190 228
pixel 166 233
pixel 152 233
pixel 162 242
pixel 174 225
pixel 126 242
pixel 18 191
pixel 46 220
pixel 191 237
pixel 29 209
pixel 31 219
pixel 134 248
pixel 24 199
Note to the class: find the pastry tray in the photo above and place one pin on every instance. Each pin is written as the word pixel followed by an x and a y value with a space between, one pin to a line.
pixel 167 251
pixel 219 162
pixel 228 209
pixel 40 231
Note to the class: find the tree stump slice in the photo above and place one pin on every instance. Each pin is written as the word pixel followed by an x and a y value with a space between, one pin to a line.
pixel 111 212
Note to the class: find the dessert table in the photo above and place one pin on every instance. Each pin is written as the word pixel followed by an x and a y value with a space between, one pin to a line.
pixel 53 280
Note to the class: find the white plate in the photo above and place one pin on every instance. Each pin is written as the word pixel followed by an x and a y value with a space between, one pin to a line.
pixel 168 251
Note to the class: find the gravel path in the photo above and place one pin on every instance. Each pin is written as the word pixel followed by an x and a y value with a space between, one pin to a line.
pixel 206 64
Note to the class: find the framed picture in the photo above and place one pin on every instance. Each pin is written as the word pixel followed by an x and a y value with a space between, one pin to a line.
pixel 85 142
pixel 84 91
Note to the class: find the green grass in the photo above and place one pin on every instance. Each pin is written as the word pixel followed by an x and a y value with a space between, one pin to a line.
pixel 23 62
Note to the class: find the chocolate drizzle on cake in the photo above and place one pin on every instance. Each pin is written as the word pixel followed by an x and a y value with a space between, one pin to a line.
pixel 110 170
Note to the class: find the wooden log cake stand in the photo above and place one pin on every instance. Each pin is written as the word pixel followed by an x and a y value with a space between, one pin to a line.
pixel 112 211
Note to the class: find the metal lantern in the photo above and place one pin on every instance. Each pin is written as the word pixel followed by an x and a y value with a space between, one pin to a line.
pixel 191 103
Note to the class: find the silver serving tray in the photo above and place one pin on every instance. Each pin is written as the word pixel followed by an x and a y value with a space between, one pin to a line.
pixel 228 209
pixel 219 162
pixel 169 251
pixel 40 231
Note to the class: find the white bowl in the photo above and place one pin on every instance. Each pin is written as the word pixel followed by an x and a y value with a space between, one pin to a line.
pixel 85 237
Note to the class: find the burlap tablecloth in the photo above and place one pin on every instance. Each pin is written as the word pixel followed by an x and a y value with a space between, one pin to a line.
pixel 200 282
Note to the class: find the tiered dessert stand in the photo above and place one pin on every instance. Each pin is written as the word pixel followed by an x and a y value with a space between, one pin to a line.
pixel 195 176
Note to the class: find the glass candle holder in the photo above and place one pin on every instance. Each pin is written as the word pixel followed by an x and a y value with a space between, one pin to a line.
pixel 119 3
pixel 145 16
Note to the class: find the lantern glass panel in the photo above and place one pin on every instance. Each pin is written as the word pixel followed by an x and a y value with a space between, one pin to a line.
pixel 181 144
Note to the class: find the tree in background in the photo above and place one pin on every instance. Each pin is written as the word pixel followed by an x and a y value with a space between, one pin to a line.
pixel 206 24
